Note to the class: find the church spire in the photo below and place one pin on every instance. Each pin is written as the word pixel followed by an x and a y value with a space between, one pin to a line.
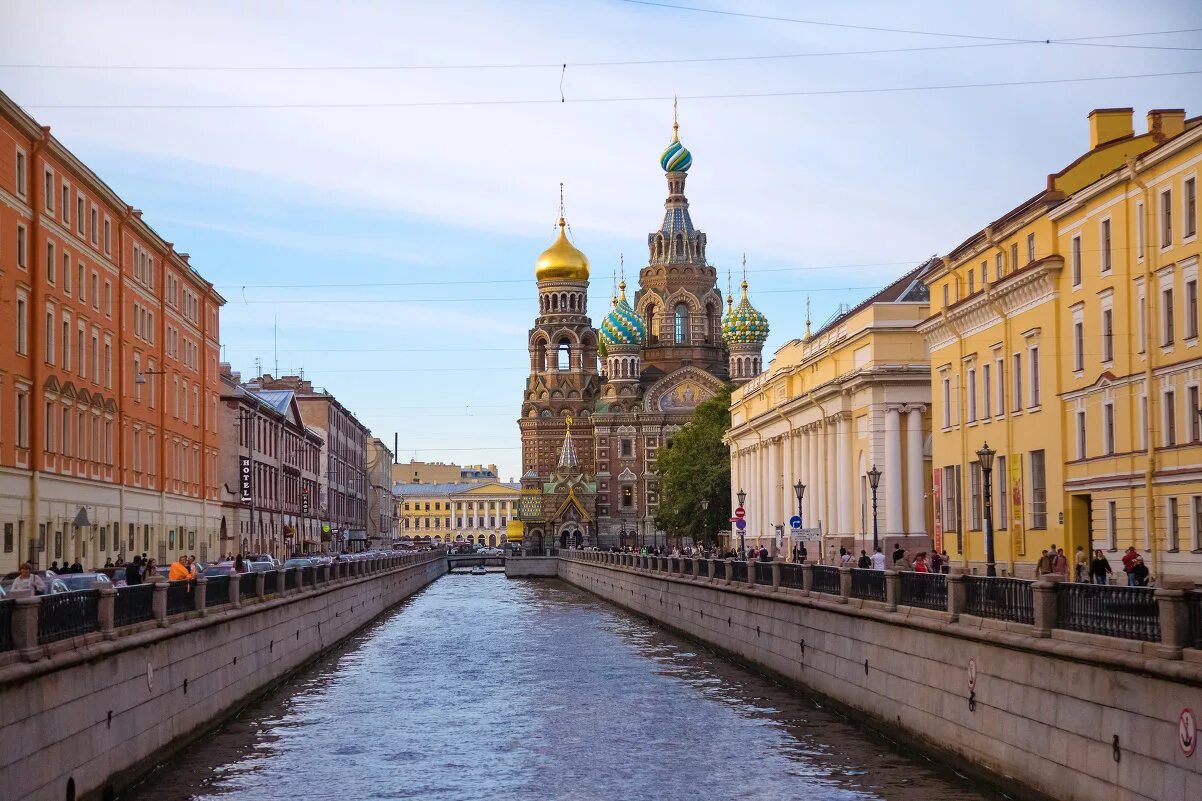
pixel 567 454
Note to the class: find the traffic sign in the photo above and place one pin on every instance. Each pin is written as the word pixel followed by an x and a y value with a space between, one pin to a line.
pixel 795 522
pixel 740 513
pixel 740 524
pixel 1187 731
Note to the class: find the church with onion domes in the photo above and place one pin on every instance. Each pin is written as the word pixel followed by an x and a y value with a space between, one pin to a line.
pixel 601 402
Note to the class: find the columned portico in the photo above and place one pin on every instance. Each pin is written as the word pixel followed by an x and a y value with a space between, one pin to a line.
pixel 843 479
pixel 893 471
pixel 915 474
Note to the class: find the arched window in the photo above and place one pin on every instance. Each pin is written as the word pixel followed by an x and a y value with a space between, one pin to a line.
pixel 682 323
pixel 540 356
pixel 564 356
pixel 555 301
pixel 652 334
pixel 711 323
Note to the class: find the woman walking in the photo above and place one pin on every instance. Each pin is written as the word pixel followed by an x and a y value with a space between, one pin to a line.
pixel 1099 568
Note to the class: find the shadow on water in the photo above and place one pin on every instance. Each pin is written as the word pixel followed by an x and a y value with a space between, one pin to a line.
pixel 479 687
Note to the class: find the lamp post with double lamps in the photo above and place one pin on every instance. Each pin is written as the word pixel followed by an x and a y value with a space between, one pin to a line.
pixel 985 457
pixel 705 505
pixel 799 490
pixel 742 496
pixel 874 481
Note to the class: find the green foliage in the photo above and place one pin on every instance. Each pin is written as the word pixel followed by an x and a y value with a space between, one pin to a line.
pixel 697 467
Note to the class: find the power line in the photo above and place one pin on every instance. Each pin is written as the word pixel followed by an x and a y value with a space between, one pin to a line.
pixel 523 299
pixel 630 99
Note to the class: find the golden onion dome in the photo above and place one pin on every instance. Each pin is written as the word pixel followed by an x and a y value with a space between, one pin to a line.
pixel 561 261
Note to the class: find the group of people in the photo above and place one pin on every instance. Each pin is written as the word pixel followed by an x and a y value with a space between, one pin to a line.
pixel 1095 570
pixel 74 567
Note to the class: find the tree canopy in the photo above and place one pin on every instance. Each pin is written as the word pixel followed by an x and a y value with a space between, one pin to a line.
pixel 697 467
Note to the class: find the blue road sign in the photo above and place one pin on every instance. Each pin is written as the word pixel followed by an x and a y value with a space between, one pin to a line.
pixel 740 524
pixel 795 522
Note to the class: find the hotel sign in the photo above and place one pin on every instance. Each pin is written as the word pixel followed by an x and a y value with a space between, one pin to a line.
pixel 245 492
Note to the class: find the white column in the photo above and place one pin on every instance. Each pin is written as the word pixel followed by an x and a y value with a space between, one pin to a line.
pixel 915 475
pixel 844 478
pixel 826 466
pixel 893 471
pixel 774 447
pixel 786 481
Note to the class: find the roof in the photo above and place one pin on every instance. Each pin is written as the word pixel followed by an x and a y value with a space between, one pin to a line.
pixel 454 488
pixel 907 289
pixel 278 399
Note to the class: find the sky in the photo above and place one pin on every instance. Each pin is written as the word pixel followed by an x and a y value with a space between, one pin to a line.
pixel 368 184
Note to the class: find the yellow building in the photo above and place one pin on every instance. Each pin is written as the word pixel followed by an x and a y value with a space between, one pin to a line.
pixel 1048 327
pixel 468 512
pixel 830 406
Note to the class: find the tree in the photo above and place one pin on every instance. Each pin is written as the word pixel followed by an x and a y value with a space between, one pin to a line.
pixel 695 468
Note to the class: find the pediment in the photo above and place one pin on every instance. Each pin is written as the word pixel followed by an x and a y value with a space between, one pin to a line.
pixel 682 390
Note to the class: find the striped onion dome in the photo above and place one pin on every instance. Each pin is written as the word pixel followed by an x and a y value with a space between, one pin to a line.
pixel 622 326
pixel 677 157
pixel 744 324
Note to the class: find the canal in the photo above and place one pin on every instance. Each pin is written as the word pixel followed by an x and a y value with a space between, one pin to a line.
pixel 480 687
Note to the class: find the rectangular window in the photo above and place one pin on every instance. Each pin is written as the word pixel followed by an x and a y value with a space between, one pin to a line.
pixel 975 496
pixel 95 291
pixel 79 212
pixel 51 263
pixel 1108 428
pixel 1112 524
pixel 1172 525
pixel 67 273
pixel 1191 309
pixel 1106 257
pixel 22 420
pixel 1039 491
pixel 999 269
pixel 66 204
pixel 1082 445
pixel 947 403
pixel 1001 385
pixel 22 326
pixel 1191 206
pixel 1143 422
pixel 972 396
pixel 1018 382
pixel 20 173
pixel 108 299
pixel 1166 218
pixel 93 227
pixel 1014 257
pixel 986 392
pixel 1107 335
pixel 81 287
pixel 21 244
pixel 1076 261
pixel 1000 495
pixel 1195 418
pixel 108 237
pixel 66 342
pixel 1170 418
pixel 1034 351
pixel 1139 230
pixel 1166 311
pixel 950 519
pixel 971 281
pixel 627 496
pixel 1030 248
pixel 1078 346
pixel 48 434
pixel 50 337
pixel 627 448
pixel 945 296
pixel 48 189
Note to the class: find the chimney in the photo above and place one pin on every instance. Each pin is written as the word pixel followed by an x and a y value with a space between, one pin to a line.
pixel 1165 123
pixel 1108 124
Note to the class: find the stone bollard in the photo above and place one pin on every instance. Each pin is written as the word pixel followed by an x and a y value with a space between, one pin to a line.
pixel 957 595
pixel 730 569
pixel 159 602
pixel 235 590
pixel 198 594
pixel 844 584
pixel 775 575
pixel 106 611
pixel 322 573
pixel 260 584
pixel 892 589
pixel 1174 618
pixel 25 627
pixel 807 578
pixel 1044 591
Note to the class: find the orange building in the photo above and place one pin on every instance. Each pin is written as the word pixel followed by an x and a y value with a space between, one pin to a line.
pixel 108 369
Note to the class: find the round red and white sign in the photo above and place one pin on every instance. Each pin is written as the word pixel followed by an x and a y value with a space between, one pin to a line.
pixel 1187 731
pixel 972 673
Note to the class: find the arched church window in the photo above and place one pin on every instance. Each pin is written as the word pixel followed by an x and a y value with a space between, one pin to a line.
pixel 679 246
pixel 554 302
pixel 564 356
pixel 711 323
pixel 682 323
pixel 540 357
pixel 652 334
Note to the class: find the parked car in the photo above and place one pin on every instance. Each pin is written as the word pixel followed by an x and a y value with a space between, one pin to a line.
pixel 54 583
pixel 219 569
pixel 70 582
pixel 300 561
pixel 259 566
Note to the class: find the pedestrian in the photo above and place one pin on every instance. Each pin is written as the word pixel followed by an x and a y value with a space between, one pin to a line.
pixel 1045 564
pixel 1139 571
pixel 150 571
pixel 239 565
pixel 764 554
pixel 1099 568
pixel 133 572
pixel 1060 564
pixel 109 563
pixel 936 562
pixel 845 558
pixel 54 566
pixel 1081 560
pixel 27 580
pixel 802 553
pixel 878 559
pixel 947 563
pixel 904 562
pixel 920 562
pixel 179 570
pixel 865 563
pixel 1128 563
pixel 76 566
pixel 898 553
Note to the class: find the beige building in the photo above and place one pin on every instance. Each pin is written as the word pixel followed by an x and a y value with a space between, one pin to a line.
pixel 829 407
pixel 381 514
pixel 467 512
pixel 414 472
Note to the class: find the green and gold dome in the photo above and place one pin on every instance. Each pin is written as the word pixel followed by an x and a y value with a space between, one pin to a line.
pixel 622 326
pixel 744 324
pixel 562 261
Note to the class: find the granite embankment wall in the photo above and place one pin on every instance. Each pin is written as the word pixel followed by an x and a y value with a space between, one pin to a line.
pixel 85 717
pixel 1061 716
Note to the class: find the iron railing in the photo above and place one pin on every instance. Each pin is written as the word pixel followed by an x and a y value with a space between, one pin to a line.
pixel 180 598
pixel 925 590
pixel 6 625
pixel 720 569
pixel 271 581
pixel 868 584
pixel 674 565
pixel 826 579
pixel 247 585
pixel 133 604
pixel 702 567
pixel 67 614
pixel 738 571
pixel 217 591
pixel 1128 612
pixel 763 573
pixel 291 577
pixel 791 576
pixel 687 567
pixel 308 575
pixel 1000 598
pixel 1193 604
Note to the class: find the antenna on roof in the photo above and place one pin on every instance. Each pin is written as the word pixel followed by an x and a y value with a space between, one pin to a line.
pixel 807 317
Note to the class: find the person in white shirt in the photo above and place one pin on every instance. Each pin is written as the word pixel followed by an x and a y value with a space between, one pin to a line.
pixel 878 559
pixel 28 580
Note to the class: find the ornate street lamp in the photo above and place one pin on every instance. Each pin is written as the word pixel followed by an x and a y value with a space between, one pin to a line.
pixel 985 457
pixel 799 490
pixel 705 505
pixel 742 496
pixel 874 480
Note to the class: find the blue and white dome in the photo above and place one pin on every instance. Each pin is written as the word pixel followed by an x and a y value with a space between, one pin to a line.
pixel 622 326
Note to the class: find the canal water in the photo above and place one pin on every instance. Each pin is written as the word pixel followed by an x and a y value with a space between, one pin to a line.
pixel 480 687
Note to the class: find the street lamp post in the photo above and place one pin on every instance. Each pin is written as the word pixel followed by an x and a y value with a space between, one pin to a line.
pixel 799 490
pixel 705 505
pixel 985 455
pixel 874 480
pixel 742 496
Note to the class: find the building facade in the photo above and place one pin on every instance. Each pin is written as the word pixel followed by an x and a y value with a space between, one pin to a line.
pixel 1065 336
pixel 415 472
pixel 108 369
pixel 599 403
pixel 830 407
pixel 472 513
pixel 269 472
pixel 381 511
pixel 343 484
